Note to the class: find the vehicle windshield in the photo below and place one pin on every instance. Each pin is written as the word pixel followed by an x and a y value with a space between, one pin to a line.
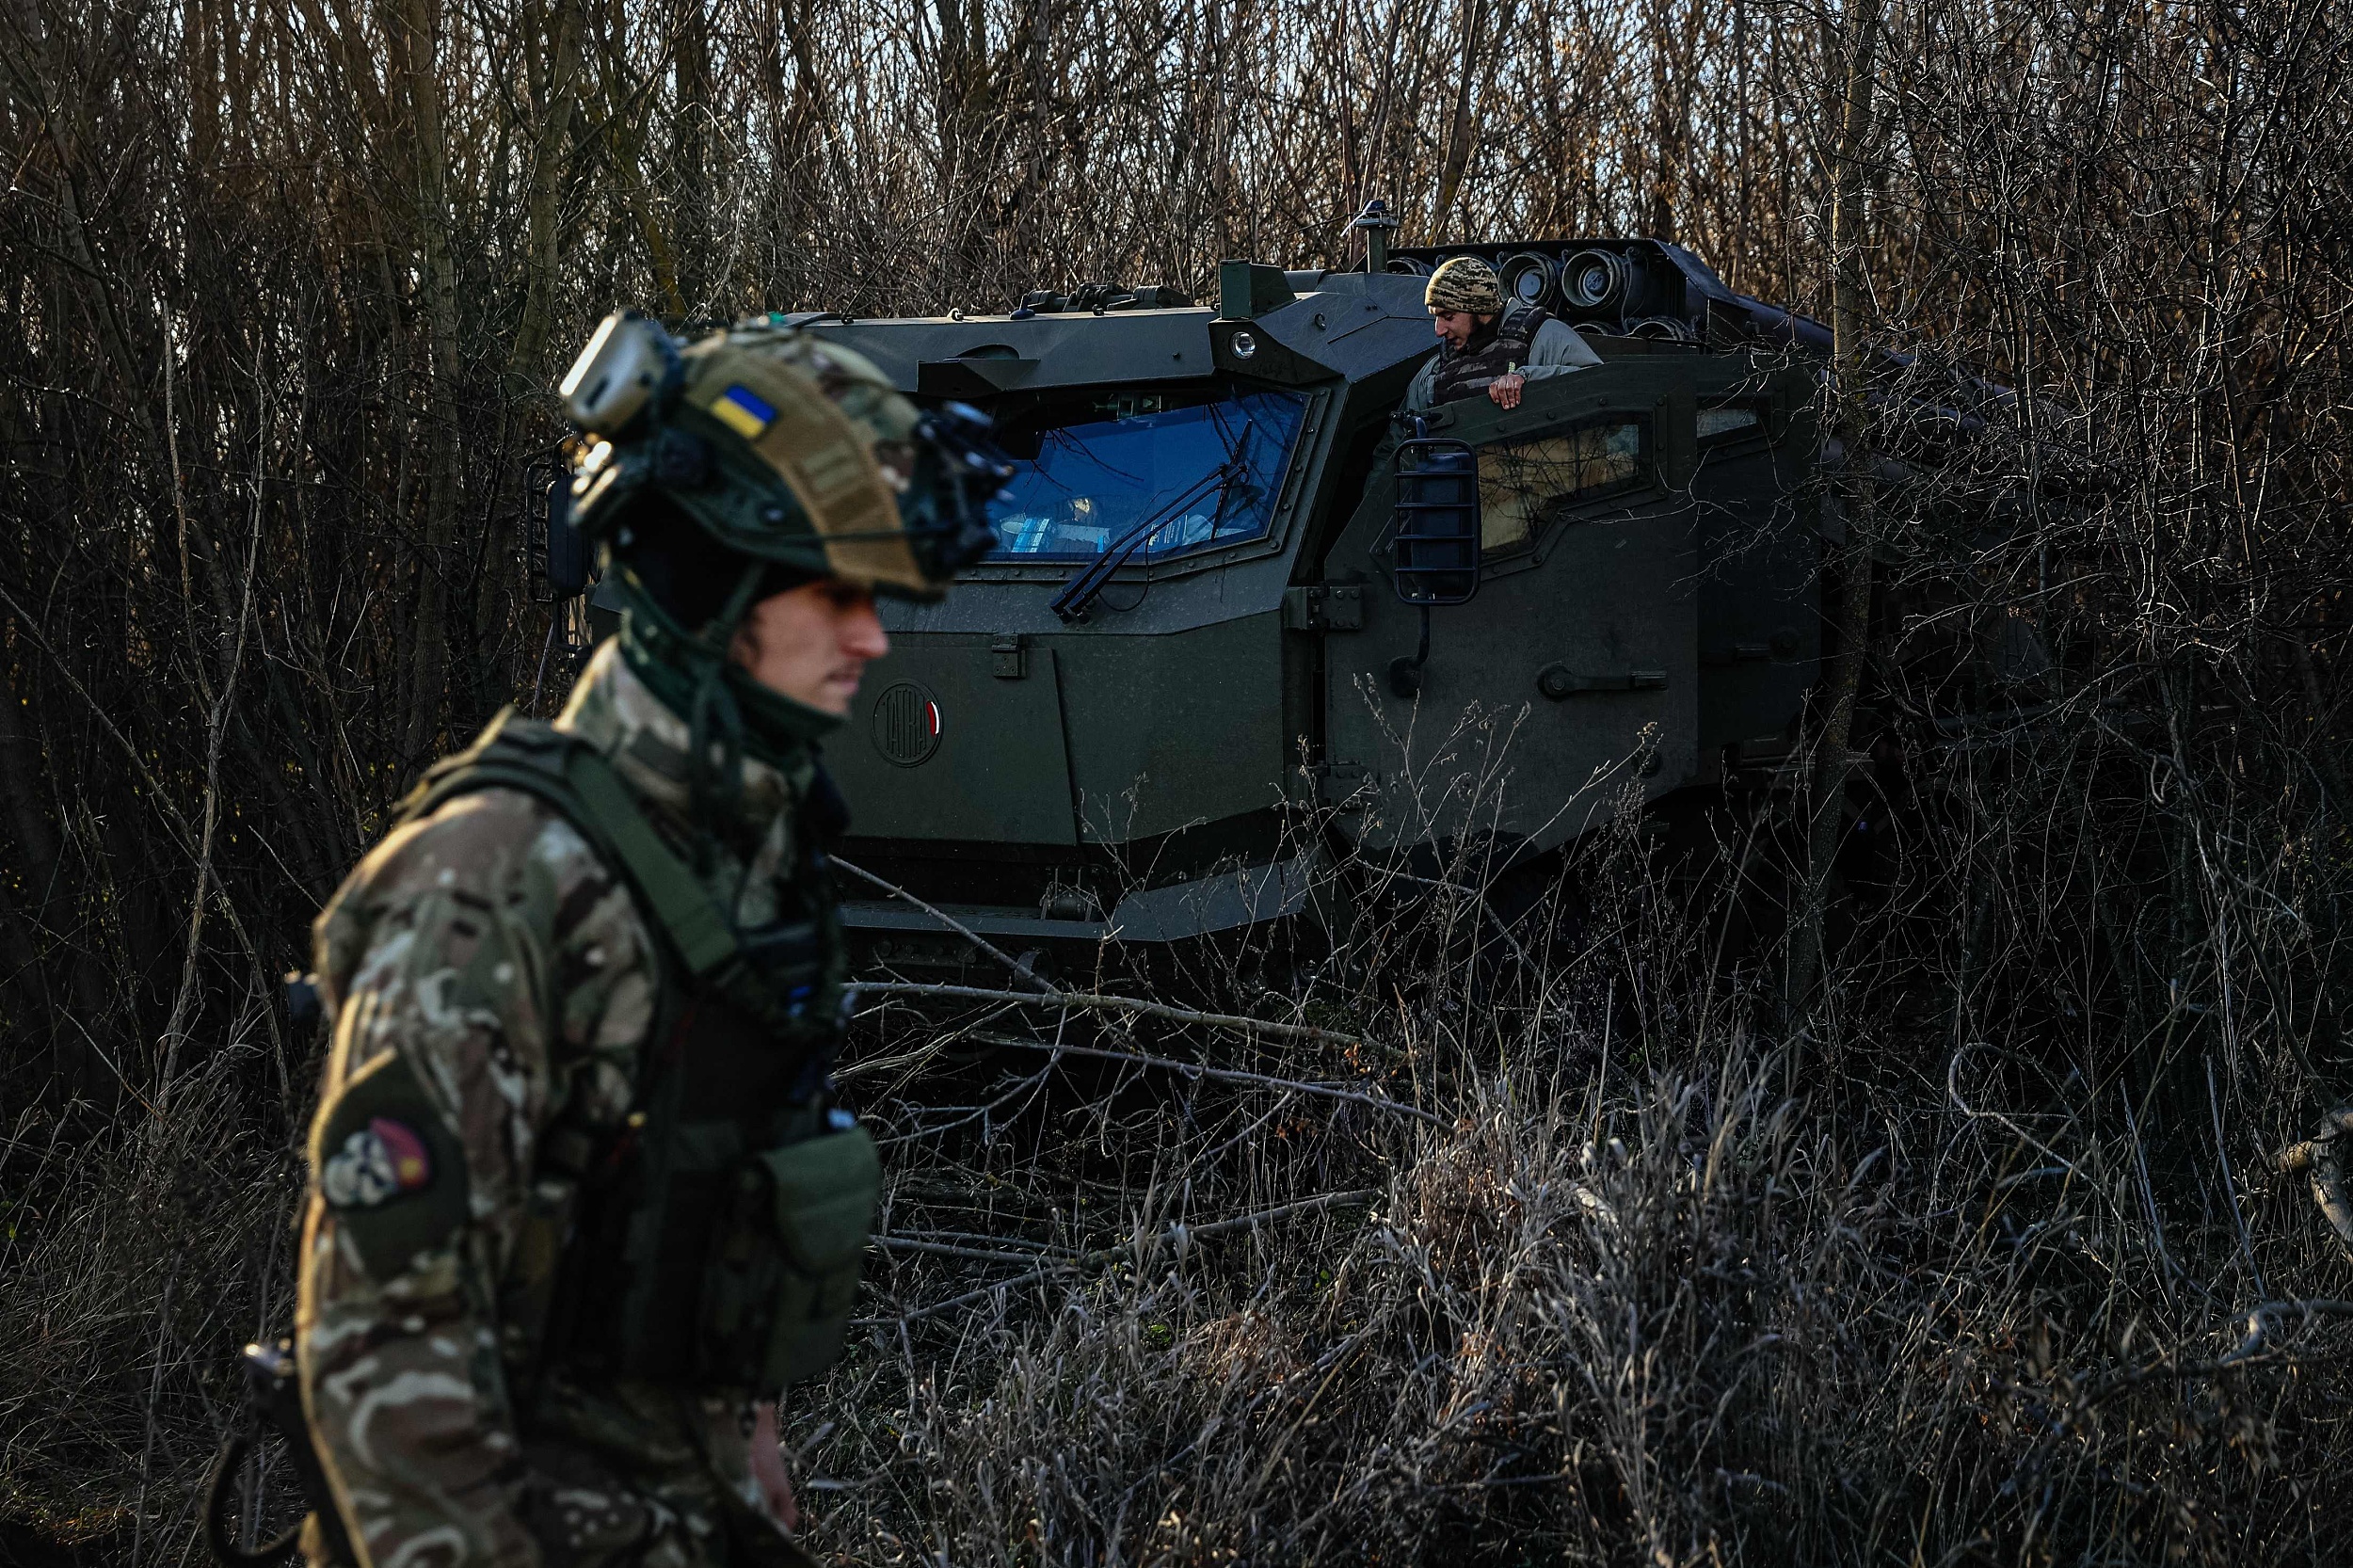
pixel 1213 468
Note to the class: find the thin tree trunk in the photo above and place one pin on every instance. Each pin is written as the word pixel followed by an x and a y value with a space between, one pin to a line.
pixel 1463 132
pixel 555 89
pixel 625 144
pixel 1842 675
pixel 414 30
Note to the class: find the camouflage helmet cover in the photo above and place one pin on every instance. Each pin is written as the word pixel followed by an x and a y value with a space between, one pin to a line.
pixel 827 423
pixel 783 447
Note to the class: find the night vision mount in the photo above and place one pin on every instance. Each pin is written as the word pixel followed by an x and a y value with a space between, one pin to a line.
pixel 630 365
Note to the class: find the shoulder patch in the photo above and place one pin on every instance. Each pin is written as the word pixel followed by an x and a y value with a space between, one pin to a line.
pixel 375 1164
pixel 387 1167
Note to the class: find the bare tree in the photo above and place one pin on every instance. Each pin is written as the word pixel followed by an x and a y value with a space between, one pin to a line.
pixel 285 287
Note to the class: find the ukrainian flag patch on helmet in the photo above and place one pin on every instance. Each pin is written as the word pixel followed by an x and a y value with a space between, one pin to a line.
pixel 743 412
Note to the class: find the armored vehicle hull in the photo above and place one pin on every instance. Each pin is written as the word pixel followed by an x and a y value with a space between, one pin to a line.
pixel 1191 629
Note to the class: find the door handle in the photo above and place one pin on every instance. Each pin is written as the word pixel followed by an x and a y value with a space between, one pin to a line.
pixel 1559 682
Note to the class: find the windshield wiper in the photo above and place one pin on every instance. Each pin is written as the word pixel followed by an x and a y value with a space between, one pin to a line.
pixel 1079 592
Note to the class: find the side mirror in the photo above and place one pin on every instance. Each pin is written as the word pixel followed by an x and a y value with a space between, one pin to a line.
pixel 1436 538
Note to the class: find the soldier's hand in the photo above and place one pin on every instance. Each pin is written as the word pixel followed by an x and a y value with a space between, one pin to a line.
pixel 1505 390
pixel 776 1483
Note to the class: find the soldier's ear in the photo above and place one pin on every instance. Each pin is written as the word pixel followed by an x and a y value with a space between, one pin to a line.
pixel 389 1167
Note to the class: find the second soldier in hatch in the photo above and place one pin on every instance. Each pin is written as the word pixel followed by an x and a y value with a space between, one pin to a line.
pixel 582 1203
pixel 1485 350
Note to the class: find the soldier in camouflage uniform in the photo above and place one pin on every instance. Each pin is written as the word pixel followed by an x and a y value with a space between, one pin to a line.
pixel 582 1203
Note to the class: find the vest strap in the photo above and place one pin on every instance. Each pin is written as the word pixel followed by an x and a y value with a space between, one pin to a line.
pixel 701 933
pixel 574 780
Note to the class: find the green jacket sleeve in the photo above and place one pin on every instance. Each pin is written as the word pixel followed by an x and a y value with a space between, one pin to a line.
pixel 1424 384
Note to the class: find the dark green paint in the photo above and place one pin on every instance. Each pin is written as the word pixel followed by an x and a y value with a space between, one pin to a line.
pixel 1654 635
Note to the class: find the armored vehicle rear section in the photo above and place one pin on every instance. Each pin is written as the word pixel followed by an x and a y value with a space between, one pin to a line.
pixel 1193 625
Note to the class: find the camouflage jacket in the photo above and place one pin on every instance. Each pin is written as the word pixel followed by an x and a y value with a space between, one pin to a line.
pixel 488 955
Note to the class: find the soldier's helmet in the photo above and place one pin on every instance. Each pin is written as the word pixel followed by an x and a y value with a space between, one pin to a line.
pixel 784 449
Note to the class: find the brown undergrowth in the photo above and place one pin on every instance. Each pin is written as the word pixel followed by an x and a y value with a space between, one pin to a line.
pixel 1946 1257
pixel 1658 1293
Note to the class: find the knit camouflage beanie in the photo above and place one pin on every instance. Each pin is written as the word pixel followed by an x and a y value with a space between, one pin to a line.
pixel 1465 283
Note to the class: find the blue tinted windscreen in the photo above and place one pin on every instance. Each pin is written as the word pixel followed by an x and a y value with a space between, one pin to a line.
pixel 1190 477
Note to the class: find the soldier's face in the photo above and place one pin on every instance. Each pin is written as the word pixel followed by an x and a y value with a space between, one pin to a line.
pixel 1456 327
pixel 812 643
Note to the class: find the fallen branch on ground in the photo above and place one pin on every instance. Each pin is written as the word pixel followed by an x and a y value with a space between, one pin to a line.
pixel 1223 1074
pixel 2259 1322
pixel 2255 1341
pixel 949 1249
pixel 1090 1001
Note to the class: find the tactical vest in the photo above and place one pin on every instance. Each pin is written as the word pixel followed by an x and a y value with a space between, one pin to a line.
pixel 717 1237
pixel 1468 371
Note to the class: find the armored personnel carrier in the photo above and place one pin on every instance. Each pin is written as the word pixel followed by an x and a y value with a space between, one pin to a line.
pixel 1231 583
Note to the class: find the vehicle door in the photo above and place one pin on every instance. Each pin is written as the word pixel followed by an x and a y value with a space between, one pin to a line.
pixel 1570 677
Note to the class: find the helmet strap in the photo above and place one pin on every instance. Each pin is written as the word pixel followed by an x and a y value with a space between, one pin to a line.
pixel 730 716
pixel 714 721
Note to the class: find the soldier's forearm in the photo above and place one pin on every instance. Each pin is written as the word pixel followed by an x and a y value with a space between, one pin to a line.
pixel 406 1413
pixel 415 1463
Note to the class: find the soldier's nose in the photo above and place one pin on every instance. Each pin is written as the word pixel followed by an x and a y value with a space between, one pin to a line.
pixel 862 635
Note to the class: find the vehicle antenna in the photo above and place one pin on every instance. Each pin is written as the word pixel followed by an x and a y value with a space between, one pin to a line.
pixel 1376 223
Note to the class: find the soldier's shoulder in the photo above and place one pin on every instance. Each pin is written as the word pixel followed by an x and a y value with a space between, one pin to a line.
pixel 1558 342
pixel 494 833
pixel 497 847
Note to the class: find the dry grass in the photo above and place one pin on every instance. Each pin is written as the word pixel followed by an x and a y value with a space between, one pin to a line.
pixel 1944 1259
pixel 1655 1289
pixel 137 1259
pixel 1659 1295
